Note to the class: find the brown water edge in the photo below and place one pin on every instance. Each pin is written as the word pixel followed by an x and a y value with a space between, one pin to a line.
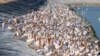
pixel 6 1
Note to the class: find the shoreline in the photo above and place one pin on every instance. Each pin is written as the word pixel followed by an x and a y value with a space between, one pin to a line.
pixel 6 1
pixel 73 5
pixel 49 25
pixel 56 30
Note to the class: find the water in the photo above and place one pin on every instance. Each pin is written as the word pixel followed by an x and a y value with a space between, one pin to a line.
pixel 12 47
pixel 92 13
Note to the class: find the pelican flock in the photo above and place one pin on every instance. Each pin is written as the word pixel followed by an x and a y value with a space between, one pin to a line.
pixel 59 32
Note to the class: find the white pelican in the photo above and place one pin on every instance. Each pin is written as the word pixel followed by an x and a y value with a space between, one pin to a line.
pixel 99 19
pixel 78 8
pixel 49 53
pixel 29 41
pixel 10 27
pixel 3 25
pixel 56 44
pixel 85 33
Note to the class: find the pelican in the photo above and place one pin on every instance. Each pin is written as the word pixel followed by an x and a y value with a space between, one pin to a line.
pixel 49 53
pixel 10 27
pixel 85 33
pixel 65 46
pixel 99 19
pixel 29 41
pixel 56 44
pixel 46 48
pixel 40 52
pixel 38 43
pixel 83 12
pixel 3 25
pixel 15 20
pixel 78 8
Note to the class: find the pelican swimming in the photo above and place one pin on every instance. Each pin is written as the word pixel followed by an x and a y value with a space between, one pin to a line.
pixel 99 19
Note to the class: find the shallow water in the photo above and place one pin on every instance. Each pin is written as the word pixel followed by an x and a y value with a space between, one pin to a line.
pixel 92 14
pixel 13 47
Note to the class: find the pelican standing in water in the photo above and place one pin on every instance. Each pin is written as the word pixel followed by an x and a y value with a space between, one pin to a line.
pixel 4 22
pixel 3 25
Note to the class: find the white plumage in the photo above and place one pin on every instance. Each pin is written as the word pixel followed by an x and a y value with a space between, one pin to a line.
pixel 57 46
pixel 49 53
pixel 9 27
pixel 3 25
pixel 84 33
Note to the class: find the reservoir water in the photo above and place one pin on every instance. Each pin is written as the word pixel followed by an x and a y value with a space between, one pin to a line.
pixel 92 14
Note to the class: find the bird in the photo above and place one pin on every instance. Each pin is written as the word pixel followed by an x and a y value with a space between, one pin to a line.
pixel 4 22
pixel 3 25
pixel 10 27
pixel 99 19
pixel 49 53
pixel 56 44
pixel 29 41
